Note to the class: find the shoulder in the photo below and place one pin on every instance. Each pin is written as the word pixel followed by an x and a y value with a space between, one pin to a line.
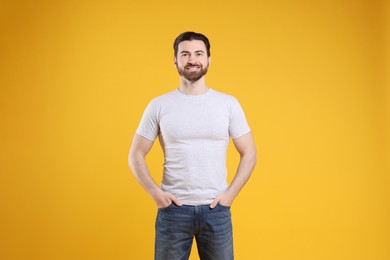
pixel 163 99
pixel 227 98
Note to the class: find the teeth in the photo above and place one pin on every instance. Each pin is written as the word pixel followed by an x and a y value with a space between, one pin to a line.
pixel 193 67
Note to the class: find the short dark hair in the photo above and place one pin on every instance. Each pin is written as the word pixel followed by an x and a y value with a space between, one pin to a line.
pixel 189 36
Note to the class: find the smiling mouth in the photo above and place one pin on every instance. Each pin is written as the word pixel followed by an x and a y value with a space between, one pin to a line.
pixel 192 67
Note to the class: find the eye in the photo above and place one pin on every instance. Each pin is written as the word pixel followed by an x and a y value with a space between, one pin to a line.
pixel 199 54
pixel 184 54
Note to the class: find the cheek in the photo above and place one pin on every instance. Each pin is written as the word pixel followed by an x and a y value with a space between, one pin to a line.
pixel 181 62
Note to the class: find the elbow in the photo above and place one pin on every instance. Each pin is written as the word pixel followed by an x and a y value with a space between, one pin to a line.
pixel 253 160
pixel 133 162
pixel 250 159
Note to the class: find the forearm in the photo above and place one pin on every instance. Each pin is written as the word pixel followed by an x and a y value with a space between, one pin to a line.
pixel 140 170
pixel 244 171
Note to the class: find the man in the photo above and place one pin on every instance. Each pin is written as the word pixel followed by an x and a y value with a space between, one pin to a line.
pixel 194 124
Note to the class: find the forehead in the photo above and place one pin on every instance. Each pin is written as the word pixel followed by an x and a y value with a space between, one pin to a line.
pixel 193 45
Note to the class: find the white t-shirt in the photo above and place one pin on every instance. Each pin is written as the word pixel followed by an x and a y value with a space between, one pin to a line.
pixel 194 133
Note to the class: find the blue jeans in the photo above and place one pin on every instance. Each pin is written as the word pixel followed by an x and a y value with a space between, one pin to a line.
pixel 177 226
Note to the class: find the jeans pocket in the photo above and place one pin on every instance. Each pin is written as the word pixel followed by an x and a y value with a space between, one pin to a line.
pixel 167 207
pixel 223 206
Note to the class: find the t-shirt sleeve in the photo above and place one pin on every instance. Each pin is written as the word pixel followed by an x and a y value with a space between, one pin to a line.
pixel 238 125
pixel 149 125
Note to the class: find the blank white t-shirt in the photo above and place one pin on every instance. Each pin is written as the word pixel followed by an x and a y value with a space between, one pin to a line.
pixel 194 133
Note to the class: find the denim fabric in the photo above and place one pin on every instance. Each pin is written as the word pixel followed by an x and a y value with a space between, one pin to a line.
pixel 177 226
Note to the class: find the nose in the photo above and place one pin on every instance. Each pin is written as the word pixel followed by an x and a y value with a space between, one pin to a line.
pixel 191 60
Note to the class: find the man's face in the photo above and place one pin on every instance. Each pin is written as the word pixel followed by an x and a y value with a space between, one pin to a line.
pixel 191 60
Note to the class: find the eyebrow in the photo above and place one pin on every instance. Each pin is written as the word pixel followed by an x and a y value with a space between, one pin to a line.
pixel 195 51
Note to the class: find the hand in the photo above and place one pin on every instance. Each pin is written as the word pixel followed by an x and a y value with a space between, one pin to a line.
pixel 223 199
pixel 163 199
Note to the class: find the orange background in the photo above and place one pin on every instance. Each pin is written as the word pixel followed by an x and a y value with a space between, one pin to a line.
pixel 312 76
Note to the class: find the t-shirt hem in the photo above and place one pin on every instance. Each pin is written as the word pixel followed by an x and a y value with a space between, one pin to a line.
pixel 198 203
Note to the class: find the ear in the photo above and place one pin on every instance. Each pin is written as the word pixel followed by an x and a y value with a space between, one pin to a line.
pixel 209 58
pixel 175 61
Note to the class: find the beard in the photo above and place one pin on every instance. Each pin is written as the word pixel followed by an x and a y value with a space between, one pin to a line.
pixel 192 75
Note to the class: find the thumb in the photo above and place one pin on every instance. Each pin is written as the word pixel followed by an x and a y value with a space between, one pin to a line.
pixel 175 200
pixel 214 203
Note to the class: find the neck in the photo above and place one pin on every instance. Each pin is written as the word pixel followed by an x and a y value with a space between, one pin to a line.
pixel 193 88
